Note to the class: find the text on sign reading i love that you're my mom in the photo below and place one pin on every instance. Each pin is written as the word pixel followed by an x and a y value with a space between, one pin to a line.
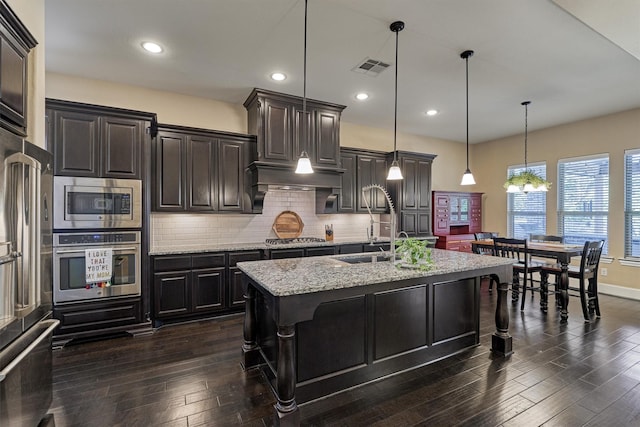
pixel 98 264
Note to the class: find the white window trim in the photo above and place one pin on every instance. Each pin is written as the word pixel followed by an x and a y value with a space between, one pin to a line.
pixel 628 261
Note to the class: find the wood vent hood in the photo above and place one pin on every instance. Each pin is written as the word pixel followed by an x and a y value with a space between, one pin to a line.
pixel 266 176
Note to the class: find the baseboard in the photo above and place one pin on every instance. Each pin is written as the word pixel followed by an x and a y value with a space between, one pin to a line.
pixel 619 291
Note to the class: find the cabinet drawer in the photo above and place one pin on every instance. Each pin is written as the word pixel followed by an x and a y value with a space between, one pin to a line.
pixel 352 248
pixel 236 257
pixel 207 261
pixel 321 251
pixel 172 263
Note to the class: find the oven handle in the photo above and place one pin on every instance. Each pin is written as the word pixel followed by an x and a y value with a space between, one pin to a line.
pixel 77 251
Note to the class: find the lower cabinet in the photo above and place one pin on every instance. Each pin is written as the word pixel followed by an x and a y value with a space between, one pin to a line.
pixel 455 242
pixel 190 285
pixel 83 319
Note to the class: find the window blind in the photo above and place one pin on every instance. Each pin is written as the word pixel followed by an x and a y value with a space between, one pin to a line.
pixel 632 203
pixel 527 213
pixel 583 199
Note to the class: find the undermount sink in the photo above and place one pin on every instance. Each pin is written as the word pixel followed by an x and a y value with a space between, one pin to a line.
pixel 364 259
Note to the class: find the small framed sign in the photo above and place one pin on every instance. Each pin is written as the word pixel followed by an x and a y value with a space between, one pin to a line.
pixel 99 265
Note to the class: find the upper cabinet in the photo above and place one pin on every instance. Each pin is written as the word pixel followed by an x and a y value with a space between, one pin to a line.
pixel 284 129
pixel 199 171
pixel 362 168
pixel 15 44
pixel 412 194
pixel 93 141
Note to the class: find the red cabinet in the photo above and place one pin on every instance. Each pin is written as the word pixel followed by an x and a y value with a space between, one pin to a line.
pixel 456 216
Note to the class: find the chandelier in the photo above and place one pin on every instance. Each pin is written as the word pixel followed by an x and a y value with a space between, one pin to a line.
pixel 527 180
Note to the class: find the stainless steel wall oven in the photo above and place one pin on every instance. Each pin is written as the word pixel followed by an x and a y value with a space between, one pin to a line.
pixel 69 282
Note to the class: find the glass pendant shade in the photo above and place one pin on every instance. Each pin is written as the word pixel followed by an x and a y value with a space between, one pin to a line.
pixel 304 164
pixel 528 187
pixel 513 189
pixel 467 178
pixel 394 171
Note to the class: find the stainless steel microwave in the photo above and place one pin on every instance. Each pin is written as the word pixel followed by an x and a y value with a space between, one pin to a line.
pixel 99 203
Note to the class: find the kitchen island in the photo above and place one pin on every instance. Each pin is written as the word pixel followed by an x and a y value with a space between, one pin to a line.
pixel 319 325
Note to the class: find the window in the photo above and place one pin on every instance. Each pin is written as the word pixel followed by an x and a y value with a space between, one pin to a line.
pixel 527 213
pixel 632 203
pixel 583 199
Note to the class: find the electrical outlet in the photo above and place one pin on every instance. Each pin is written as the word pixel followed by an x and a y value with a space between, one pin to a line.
pixel 603 272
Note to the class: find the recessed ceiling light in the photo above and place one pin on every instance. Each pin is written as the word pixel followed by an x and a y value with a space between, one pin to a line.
pixel 278 77
pixel 432 112
pixel 362 96
pixel 152 47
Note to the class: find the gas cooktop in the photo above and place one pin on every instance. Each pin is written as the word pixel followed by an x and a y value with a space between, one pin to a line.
pixel 294 240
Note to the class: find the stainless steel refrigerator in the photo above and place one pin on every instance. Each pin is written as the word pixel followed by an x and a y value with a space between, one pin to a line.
pixel 25 281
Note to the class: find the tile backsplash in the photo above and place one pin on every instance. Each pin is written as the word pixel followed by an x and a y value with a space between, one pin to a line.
pixel 171 230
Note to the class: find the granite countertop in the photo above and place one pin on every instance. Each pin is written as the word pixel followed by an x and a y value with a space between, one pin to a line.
pixel 295 276
pixel 225 247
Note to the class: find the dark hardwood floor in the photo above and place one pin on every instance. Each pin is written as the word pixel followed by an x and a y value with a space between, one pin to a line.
pixel 189 375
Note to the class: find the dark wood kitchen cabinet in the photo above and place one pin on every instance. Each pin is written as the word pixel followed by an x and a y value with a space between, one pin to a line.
pixel 15 43
pixel 95 141
pixel 412 194
pixel 284 130
pixel 362 167
pixel 189 284
pixel 197 170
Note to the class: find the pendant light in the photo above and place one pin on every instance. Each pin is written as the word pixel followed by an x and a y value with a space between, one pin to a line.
pixel 394 171
pixel 527 180
pixel 467 178
pixel 304 163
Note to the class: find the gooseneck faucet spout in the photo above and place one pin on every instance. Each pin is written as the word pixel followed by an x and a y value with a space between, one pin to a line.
pixel 392 232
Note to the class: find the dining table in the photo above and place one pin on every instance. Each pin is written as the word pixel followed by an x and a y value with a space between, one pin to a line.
pixel 561 252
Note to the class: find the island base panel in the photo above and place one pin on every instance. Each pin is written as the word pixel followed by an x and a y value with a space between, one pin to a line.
pixel 349 341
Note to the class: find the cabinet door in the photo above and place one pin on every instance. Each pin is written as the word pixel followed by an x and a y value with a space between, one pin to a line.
pixel 347 197
pixel 170 172
pixel 13 84
pixel 172 293
pixel 207 290
pixel 424 223
pixel 327 138
pixel 277 130
pixel 380 178
pixel 370 170
pixel 121 142
pixel 201 173
pixel 236 294
pixel 235 291
pixel 76 143
pixel 463 209
pixel 410 191
pixel 475 215
pixel 424 185
pixel 231 165
pixel 408 222
pixel 303 131
pixel 441 215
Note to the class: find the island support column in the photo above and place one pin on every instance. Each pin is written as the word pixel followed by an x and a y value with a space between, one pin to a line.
pixel 287 411
pixel 250 351
pixel 501 341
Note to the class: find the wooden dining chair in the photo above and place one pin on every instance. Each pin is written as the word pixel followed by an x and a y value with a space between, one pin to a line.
pixel 544 275
pixel 517 250
pixel 587 272
pixel 485 251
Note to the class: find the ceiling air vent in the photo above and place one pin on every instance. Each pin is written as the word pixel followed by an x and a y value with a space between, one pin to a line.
pixel 371 67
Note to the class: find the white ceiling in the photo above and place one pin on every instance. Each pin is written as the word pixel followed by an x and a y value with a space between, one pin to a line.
pixel 221 49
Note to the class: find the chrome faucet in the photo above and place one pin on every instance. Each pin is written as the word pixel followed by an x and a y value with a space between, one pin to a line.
pixel 406 236
pixel 392 222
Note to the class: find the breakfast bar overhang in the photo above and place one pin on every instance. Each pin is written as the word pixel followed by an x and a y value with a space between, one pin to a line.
pixel 319 325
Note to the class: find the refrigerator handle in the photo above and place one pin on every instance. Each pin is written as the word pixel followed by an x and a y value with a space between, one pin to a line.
pixel 30 347
pixel 45 207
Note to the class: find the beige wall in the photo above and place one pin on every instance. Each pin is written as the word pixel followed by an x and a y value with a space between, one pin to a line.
pixel 31 13
pixel 612 134
pixel 488 161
